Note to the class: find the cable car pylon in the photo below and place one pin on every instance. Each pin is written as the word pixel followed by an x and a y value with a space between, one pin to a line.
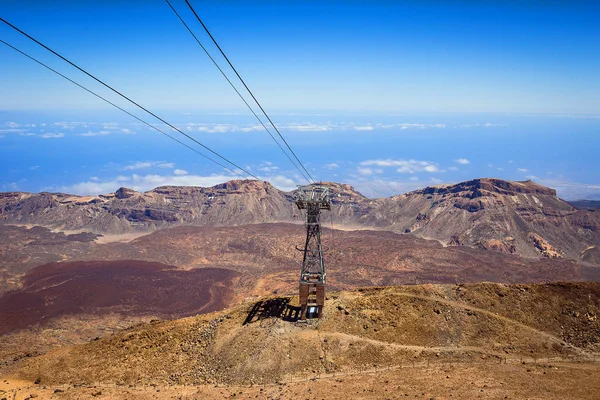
pixel 313 199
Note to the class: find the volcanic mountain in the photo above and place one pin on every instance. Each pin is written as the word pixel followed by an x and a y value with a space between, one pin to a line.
pixel 524 218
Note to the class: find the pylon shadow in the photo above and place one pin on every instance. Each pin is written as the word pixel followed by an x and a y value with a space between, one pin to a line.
pixel 278 307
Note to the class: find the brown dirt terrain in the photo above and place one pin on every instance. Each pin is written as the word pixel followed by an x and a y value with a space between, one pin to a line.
pixel 483 380
pixel 23 248
pixel 265 255
pixel 253 260
pixel 135 288
pixel 478 335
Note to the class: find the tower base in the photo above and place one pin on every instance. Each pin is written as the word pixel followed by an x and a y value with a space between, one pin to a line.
pixel 312 299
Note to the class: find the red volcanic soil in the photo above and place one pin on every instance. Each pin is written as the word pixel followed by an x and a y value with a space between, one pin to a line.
pixel 128 287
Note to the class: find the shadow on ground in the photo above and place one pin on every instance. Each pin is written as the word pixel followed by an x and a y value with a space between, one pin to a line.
pixel 278 307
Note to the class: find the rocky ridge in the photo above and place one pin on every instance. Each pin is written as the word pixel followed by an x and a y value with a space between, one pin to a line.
pixel 511 217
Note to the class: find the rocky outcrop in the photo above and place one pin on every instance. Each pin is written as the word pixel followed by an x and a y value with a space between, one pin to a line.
pixel 502 246
pixel 124 193
pixel 543 246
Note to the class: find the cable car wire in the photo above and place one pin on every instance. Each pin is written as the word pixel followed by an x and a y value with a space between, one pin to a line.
pixel 248 89
pixel 118 107
pixel 236 90
pixel 127 98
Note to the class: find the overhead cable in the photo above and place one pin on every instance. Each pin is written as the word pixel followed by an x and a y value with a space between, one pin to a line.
pixel 236 90
pixel 127 98
pixel 118 107
pixel 248 89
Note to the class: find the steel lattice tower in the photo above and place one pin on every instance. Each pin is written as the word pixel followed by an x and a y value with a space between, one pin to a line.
pixel 313 199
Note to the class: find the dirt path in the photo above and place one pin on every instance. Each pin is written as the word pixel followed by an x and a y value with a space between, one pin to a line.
pixel 439 349
pixel 508 320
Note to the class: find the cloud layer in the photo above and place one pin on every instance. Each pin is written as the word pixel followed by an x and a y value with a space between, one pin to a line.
pixel 405 166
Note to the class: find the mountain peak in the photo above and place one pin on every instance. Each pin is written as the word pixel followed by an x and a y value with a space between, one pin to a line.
pixel 491 185
pixel 243 186
pixel 124 193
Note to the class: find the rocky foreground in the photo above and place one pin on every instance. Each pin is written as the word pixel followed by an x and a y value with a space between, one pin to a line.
pixel 487 340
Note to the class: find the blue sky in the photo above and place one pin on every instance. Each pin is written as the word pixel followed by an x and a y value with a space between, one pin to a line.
pixel 388 96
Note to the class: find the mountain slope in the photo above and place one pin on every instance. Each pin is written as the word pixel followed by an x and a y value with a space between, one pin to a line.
pixel 231 203
pixel 511 217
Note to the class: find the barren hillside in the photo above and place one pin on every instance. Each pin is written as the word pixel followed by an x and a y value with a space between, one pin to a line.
pixel 483 327
pixel 511 217
pixel 139 278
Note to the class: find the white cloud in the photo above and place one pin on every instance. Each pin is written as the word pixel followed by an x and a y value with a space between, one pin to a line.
pixel 435 181
pixel 97 133
pixel 574 116
pixel 569 190
pixel 452 168
pixel 522 170
pixel 70 125
pixel 108 130
pixel 463 161
pixel 414 178
pixel 111 126
pixel 331 166
pixel 148 164
pixel 532 177
pixel 484 125
pixel 138 165
pixel 428 168
pixel 34 167
pixel 267 166
pixel 405 166
pixel 51 135
pixel 165 165
pixel 281 182
pixel 252 128
pixel 307 126
pixel 180 172
pixel 372 187
pixel 12 130
pixel 144 183
pixel 44 135
pixel 369 171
